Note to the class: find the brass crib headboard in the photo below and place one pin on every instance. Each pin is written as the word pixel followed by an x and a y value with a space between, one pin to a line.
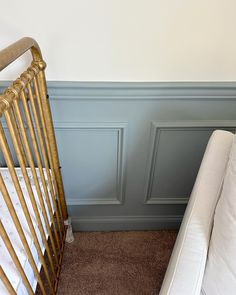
pixel 25 109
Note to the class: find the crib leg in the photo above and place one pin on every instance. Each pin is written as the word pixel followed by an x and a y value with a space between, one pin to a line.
pixel 69 232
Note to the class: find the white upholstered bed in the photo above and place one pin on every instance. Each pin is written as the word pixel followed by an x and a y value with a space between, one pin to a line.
pixel 189 271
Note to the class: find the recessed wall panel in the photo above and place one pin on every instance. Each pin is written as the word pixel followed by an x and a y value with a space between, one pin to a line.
pixel 175 157
pixel 92 161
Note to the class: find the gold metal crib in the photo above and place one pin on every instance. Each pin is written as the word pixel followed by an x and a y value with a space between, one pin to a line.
pixel 34 190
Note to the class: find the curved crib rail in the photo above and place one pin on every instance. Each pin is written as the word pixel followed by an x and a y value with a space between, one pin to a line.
pixel 15 50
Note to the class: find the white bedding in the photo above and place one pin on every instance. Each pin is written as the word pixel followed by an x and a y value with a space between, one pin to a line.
pixel 5 259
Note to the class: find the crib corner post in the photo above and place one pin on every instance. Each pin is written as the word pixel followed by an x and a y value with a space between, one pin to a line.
pixel 52 139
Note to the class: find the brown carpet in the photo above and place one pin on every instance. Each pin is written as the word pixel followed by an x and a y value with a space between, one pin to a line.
pixel 116 263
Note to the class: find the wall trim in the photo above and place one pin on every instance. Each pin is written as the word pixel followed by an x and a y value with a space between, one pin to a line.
pixel 67 90
pixel 109 223
pixel 121 129
pixel 156 129
pixel 76 201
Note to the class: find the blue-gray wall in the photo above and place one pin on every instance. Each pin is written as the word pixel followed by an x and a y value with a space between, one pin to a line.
pixel 130 151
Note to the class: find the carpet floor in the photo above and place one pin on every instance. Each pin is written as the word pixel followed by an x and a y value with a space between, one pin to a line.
pixel 116 263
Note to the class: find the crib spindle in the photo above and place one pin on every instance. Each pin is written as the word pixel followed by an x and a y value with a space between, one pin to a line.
pixel 48 157
pixel 42 147
pixel 51 135
pixel 6 282
pixel 14 257
pixel 19 138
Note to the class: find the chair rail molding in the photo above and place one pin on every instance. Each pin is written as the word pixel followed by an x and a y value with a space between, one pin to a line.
pixel 68 90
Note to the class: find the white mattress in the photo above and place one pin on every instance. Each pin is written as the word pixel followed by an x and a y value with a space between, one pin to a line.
pixel 5 258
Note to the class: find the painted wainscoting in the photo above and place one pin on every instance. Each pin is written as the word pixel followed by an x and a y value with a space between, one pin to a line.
pixel 130 152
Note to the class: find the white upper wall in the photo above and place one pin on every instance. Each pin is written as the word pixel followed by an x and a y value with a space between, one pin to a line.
pixel 127 40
